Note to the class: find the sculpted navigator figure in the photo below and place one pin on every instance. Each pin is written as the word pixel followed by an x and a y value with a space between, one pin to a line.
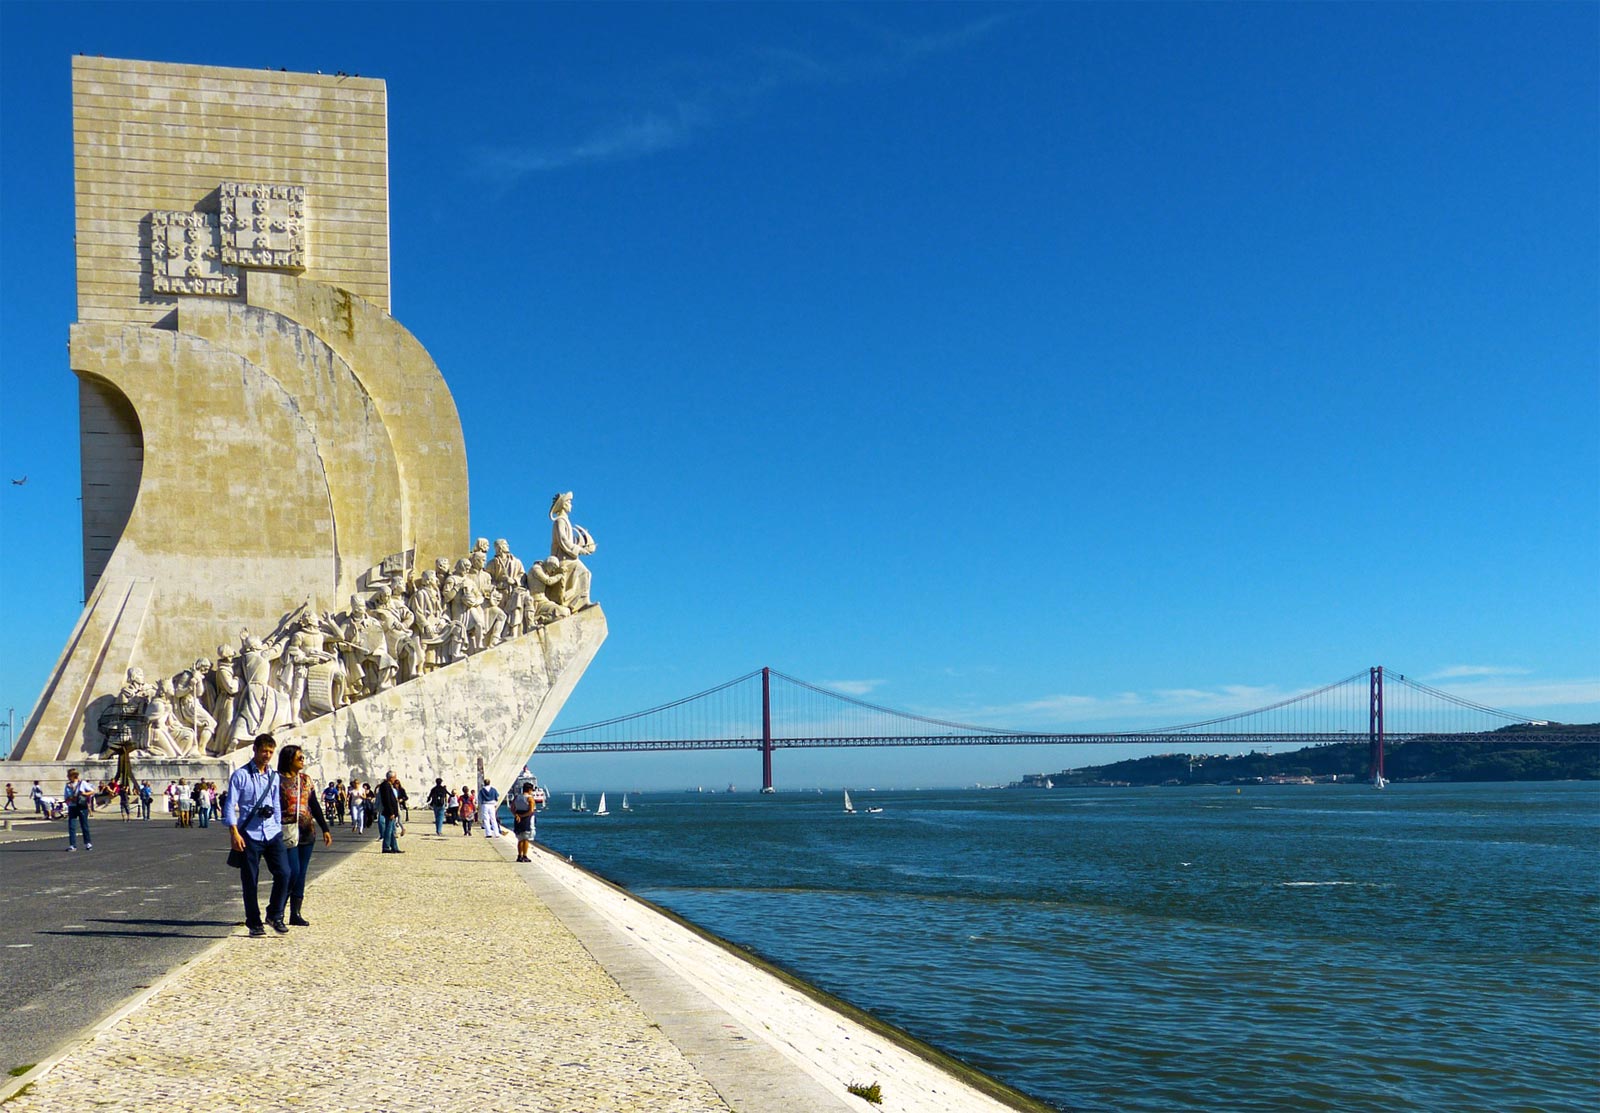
pixel 190 710
pixel 547 588
pixel 367 650
pixel 567 543
pixel 316 675
pixel 509 577
pixel 135 691
pixel 399 633
pixel 221 697
pixel 260 705
pixel 493 620
pixel 165 736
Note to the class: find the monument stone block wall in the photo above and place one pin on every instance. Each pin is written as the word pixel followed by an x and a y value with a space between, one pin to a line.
pixel 152 137
pixel 257 432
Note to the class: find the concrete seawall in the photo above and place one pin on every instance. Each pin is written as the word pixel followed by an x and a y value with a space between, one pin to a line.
pixel 449 977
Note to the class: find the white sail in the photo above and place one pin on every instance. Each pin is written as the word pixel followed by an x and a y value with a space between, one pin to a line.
pixel 601 810
pixel 848 806
pixel 625 803
pixel 573 800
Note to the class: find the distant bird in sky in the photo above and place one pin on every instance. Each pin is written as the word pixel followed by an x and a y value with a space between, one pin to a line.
pixel 19 482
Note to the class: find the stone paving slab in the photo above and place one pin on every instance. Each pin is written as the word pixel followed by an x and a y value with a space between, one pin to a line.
pixel 429 981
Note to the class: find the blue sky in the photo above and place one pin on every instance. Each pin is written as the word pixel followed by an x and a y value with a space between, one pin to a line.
pixel 1052 366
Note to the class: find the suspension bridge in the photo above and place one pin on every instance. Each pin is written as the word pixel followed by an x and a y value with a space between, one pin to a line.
pixel 768 710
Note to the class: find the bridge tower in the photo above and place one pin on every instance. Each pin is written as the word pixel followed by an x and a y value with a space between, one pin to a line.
pixel 1375 724
pixel 766 730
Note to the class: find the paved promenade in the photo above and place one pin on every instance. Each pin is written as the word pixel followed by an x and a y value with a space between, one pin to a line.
pixel 450 978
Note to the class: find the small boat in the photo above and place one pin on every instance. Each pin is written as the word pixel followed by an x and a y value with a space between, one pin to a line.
pixel 625 806
pixel 849 808
pixel 583 803
pixel 1380 782
pixel 874 810
pixel 601 810
pixel 573 800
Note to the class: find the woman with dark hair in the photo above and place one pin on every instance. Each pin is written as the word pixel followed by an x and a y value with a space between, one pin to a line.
pixel 301 808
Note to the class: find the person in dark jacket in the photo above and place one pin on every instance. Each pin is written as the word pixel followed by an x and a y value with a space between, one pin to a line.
pixel 438 799
pixel 389 813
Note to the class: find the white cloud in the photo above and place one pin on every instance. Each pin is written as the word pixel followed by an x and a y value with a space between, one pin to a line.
pixel 686 105
pixel 852 687
pixel 1457 672
pixel 1164 707
pixel 1538 698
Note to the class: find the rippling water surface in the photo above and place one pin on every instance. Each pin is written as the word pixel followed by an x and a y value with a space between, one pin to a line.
pixel 1429 947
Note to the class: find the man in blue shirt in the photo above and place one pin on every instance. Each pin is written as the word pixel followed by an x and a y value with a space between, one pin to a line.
pixel 254 815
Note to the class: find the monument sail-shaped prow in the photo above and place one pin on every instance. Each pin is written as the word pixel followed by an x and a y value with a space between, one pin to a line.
pixel 260 438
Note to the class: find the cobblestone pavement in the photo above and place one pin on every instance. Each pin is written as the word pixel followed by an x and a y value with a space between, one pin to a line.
pixel 430 981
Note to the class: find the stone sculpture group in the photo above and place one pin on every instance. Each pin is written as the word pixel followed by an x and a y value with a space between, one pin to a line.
pixel 316 662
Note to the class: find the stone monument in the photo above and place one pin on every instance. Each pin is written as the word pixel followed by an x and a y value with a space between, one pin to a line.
pixel 258 433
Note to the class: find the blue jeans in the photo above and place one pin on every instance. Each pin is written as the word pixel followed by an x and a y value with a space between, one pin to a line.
pixel 81 814
pixel 203 813
pixel 250 875
pixel 438 820
pixel 299 860
pixel 389 831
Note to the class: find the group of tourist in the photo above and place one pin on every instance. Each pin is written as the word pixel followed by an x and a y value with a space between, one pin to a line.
pixel 319 661
pixel 274 818
pixel 274 815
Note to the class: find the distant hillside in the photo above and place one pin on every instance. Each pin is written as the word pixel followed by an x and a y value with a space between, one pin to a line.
pixel 1347 761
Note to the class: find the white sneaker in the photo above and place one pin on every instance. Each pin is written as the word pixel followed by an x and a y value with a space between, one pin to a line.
pixel 88 846
pixel 72 848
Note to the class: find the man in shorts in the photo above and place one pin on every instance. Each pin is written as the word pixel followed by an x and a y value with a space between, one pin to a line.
pixel 521 805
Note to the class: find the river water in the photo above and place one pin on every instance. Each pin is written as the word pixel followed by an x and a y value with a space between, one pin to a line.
pixel 1431 947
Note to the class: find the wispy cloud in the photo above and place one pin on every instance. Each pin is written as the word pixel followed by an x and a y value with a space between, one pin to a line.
pixel 1164 707
pixel 1457 672
pixel 1538 698
pixel 1158 708
pixel 683 107
pixel 852 687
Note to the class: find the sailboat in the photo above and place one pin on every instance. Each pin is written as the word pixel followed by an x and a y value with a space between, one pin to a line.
pixel 573 799
pixel 625 806
pixel 601 810
pixel 583 803
pixel 849 808
pixel 1379 781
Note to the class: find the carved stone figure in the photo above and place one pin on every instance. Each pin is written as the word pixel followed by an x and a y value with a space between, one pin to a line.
pixel 492 622
pixel 567 543
pixel 165 736
pixel 440 636
pixel 260 705
pixel 464 598
pixel 221 696
pixel 511 578
pixel 316 675
pixel 135 690
pixel 366 650
pixel 548 598
pixel 191 711
pixel 399 633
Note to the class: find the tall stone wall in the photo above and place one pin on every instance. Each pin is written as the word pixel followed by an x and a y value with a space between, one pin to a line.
pixel 257 432
pixel 152 137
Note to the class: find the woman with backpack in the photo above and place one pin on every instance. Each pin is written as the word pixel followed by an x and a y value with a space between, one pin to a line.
pixel 467 808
